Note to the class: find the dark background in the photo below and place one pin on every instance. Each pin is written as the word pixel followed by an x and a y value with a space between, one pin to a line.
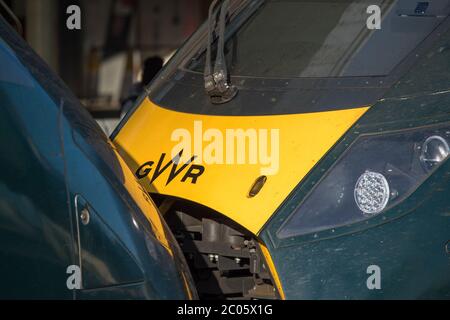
pixel 101 61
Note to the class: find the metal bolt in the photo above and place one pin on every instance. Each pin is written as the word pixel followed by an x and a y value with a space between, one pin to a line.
pixel 85 216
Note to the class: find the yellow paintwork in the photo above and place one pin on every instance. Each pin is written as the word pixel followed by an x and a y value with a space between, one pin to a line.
pixel 272 269
pixel 144 202
pixel 304 139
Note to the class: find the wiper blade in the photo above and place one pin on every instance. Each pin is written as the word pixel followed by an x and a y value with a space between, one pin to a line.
pixel 217 84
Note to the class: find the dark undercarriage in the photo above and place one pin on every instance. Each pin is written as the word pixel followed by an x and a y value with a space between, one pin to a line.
pixel 225 260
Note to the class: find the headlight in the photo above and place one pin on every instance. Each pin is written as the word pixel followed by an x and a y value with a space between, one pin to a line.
pixel 371 193
pixel 374 174
pixel 434 151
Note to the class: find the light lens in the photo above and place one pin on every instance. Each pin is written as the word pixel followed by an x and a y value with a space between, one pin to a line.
pixel 434 150
pixel 371 193
pixel 376 173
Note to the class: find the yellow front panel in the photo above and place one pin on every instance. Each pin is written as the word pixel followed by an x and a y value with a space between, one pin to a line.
pixel 303 141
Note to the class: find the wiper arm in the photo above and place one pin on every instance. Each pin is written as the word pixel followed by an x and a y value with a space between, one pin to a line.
pixel 217 84
pixel 209 82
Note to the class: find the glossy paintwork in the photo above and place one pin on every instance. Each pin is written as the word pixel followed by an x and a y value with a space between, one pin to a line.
pixel 56 162
pixel 408 241
pixel 36 237
pixel 149 133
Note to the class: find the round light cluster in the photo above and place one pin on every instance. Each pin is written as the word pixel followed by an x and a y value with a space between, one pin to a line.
pixel 371 193
pixel 434 150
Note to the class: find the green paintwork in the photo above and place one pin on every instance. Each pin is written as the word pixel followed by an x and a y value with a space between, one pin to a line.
pixel 410 241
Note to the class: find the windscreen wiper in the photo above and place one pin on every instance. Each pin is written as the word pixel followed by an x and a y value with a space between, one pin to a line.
pixel 217 84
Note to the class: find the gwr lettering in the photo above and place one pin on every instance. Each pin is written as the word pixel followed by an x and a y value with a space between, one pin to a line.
pixel 194 171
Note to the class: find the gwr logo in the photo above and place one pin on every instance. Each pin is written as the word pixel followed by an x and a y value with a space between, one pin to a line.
pixel 193 172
